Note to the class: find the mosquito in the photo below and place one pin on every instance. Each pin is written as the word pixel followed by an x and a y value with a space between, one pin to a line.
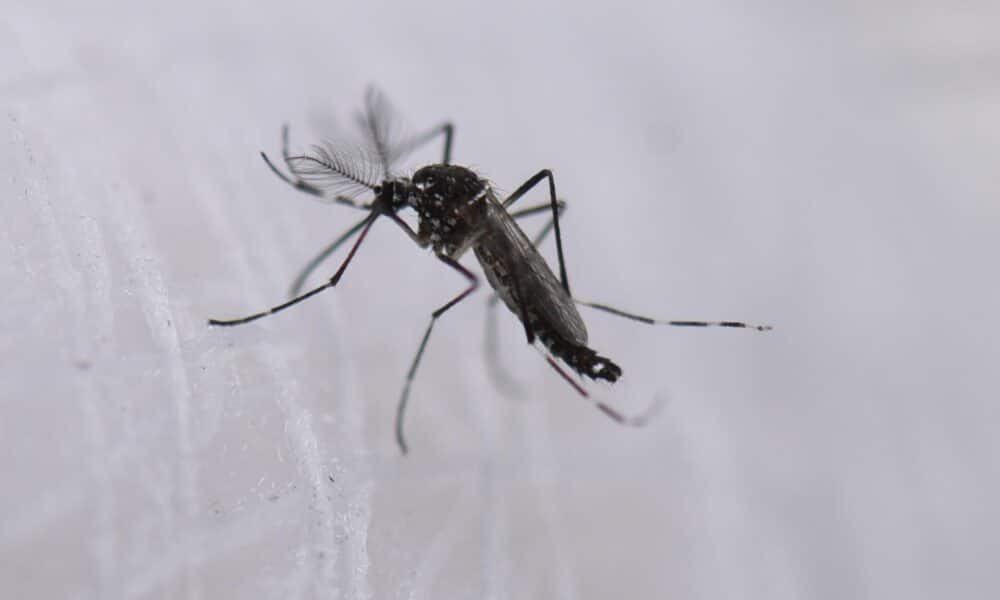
pixel 457 211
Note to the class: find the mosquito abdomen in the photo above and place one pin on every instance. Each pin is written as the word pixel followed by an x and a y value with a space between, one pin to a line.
pixel 583 360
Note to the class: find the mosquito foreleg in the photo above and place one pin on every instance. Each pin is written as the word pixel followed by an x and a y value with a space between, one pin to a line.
pixel 317 260
pixel 329 284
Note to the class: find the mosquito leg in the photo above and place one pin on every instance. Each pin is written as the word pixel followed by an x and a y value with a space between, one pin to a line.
pixel 638 420
pixel 549 226
pixel 404 397
pixel 449 134
pixel 501 377
pixel 329 284
pixel 317 260
pixel 408 146
pixel 298 184
pixel 651 321
pixel 446 129
pixel 554 203
pixel 534 210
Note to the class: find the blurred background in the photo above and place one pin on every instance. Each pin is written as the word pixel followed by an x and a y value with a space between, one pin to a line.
pixel 827 168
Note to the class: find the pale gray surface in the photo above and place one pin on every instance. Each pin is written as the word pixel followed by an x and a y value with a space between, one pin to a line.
pixel 832 171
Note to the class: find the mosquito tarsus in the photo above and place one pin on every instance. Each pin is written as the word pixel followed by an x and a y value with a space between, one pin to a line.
pixel 457 211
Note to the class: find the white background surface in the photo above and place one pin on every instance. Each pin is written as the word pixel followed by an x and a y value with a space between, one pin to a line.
pixel 830 170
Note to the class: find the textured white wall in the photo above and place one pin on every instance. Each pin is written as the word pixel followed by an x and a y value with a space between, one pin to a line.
pixel 828 170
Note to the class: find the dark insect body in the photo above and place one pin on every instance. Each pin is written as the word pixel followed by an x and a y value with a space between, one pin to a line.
pixel 457 211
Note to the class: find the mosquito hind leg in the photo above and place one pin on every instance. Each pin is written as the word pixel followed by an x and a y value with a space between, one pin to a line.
pixel 638 420
pixel 404 397
pixel 615 311
pixel 673 323
pixel 603 307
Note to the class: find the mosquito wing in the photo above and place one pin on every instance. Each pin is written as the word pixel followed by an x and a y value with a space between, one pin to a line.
pixel 384 132
pixel 380 124
pixel 515 269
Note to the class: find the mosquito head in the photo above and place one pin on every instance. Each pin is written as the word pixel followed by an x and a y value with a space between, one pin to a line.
pixel 393 194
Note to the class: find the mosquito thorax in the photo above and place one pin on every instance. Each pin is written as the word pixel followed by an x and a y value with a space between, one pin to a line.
pixel 449 200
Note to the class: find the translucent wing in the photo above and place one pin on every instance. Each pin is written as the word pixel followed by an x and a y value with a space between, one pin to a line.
pixel 400 149
pixel 337 170
pixel 381 125
pixel 515 269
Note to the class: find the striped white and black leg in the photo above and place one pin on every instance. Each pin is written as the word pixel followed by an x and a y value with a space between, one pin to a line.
pixel 674 323
pixel 540 237
pixel 404 397
pixel 558 208
pixel 637 420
